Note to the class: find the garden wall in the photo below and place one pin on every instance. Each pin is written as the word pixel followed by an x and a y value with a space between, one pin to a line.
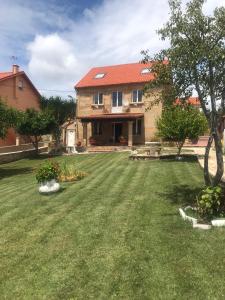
pixel 19 152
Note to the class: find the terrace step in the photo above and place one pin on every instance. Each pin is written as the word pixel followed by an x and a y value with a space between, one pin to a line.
pixel 107 148
pixel 202 142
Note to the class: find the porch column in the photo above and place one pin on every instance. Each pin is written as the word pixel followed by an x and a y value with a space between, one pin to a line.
pixel 130 133
pixel 85 138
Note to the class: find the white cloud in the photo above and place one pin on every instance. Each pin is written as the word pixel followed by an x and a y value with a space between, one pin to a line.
pixel 62 50
pixel 52 61
pixel 112 33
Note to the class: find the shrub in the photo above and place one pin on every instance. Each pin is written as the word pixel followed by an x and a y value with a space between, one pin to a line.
pixel 69 173
pixel 48 171
pixel 210 203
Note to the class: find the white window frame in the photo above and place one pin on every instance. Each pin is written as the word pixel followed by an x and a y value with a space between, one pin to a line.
pixel 98 98
pixel 146 71
pixel 139 92
pixel 117 99
pixel 99 75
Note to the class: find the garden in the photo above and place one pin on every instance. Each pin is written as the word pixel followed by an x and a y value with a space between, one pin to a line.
pixel 115 233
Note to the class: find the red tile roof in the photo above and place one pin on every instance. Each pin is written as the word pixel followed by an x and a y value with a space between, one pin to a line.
pixel 129 116
pixel 5 74
pixel 119 74
pixel 192 100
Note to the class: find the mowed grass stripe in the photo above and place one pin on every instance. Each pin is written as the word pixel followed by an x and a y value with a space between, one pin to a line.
pixel 114 235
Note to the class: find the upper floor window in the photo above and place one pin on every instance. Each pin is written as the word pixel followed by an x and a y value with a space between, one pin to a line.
pixel 137 127
pixel 145 71
pixel 99 75
pixel 20 84
pixel 98 99
pixel 137 96
pixel 117 99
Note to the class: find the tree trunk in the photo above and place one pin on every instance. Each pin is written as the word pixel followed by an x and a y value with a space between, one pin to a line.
pixel 35 143
pixel 179 146
pixel 219 159
pixel 57 136
pixel 206 161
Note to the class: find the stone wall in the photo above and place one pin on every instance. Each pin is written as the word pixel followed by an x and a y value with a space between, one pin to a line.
pixel 13 156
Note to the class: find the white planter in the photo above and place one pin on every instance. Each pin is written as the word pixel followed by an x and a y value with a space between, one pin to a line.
pixel 194 221
pixel 202 226
pixel 218 222
pixel 49 187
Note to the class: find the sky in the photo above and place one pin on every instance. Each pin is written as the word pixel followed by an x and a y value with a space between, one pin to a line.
pixel 56 42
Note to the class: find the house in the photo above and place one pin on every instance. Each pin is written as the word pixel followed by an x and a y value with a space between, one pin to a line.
pixel 17 90
pixel 111 107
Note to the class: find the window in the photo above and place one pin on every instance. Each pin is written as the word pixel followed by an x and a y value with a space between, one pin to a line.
pixel 99 75
pixel 20 84
pixel 137 96
pixel 97 128
pixel 117 99
pixel 98 99
pixel 137 127
pixel 145 71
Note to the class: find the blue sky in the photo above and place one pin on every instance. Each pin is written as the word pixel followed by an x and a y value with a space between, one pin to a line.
pixel 56 41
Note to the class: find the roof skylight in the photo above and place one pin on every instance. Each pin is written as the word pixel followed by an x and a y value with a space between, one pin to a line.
pixel 145 71
pixel 99 75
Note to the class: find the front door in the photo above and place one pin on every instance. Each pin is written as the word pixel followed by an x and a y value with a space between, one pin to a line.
pixel 70 138
pixel 118 127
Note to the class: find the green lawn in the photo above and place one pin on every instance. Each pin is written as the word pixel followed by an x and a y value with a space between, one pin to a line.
pixel 114 235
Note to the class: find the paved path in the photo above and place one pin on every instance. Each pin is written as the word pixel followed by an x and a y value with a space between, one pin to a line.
pixel 212 160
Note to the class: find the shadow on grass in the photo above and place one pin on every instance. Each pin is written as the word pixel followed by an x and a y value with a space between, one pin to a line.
pixel 182 158
pixel 182 194
pixel 62 189
pixel 14 172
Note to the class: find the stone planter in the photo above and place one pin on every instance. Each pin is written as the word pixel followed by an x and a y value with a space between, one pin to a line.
pixel 218 222
pixel 194 221
pixel 49 187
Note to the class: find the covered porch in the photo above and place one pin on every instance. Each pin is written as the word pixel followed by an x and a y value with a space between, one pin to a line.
pixel 123 129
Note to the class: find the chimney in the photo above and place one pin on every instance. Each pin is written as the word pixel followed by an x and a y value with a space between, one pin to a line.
pixel 15 69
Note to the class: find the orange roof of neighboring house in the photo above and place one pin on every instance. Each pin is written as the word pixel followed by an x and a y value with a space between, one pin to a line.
pixel 120 116
pixel 118 74
pixel 192 100
pixel 5 74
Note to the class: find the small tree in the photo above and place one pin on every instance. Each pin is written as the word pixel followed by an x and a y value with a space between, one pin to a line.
pixel 34 124
pixel 180 122
pixel 8 118
pixel 62 110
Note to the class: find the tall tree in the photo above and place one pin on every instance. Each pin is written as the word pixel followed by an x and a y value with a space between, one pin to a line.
pixel 62 109
pixel 34 124
pixel 195 61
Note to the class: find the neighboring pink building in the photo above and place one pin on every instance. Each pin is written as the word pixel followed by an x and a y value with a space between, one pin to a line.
pixel 17 90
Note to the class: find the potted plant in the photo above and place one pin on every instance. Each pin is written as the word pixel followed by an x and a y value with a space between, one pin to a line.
pixel 92 141
pixel 47 176
pixel 123 140
pixel 79 147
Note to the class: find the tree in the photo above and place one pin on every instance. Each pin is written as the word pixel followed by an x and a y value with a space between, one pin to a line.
pixel 62 110
pixel 8 118
pixel 195 61
pixel 34 124
pixel 179 122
